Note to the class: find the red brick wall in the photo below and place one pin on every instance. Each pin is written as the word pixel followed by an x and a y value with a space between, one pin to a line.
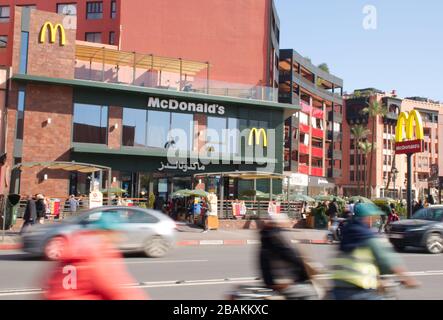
pixel 46 142
pixel 50 59
pixel 115 134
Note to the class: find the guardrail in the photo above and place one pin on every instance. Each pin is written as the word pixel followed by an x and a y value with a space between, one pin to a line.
pixel 255 209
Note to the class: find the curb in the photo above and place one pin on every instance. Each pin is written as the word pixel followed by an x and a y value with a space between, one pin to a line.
pixel 185 243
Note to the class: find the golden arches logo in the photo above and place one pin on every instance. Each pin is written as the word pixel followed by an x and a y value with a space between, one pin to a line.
pixel 52 30
pixel 257 133
pixel 408 120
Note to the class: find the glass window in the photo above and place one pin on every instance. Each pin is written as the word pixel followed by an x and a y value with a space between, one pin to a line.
pixel 137 216
pixel 233 136
pixel 3 41
pixel 112 37
pixel 134 127
pixel 158 128
pixel 94 10
pixel 29 6
pixel 69 9
pixel 184 123
pixel 113 9
pixel 423 214
pixel 24 52
pixel 20 113
pixel 4 14
pixel 93 37
pixel 90 124
pixel 214 133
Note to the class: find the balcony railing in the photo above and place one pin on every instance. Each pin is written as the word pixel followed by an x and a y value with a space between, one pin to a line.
pixel 318 133
pixel 317 152
pixel 106 64
pixel 303 168
pixel 317 171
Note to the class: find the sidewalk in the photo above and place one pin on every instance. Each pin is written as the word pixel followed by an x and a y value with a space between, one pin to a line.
pixel 190 235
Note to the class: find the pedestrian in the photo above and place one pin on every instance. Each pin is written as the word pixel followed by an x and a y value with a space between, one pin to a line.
pixel 91 267
pixel 40 208
pixel 431 200
pixel 190 211
pixel 393 216
pixel 332 211
pixel 418 206
pixel 205 215
pixel 351 207
pixel 73 204
pixel 387 211
pixel 197 207
pixel 30 215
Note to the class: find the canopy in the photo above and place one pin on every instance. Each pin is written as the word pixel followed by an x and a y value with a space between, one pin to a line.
pixel 301 197
pixel 61 165
pixel 356 199
pixel 245 175
pixel 116 57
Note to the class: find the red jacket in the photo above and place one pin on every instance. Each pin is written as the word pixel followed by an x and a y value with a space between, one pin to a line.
pixel 91 269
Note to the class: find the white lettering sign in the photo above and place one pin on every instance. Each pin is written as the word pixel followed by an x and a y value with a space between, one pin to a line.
pixel 172 104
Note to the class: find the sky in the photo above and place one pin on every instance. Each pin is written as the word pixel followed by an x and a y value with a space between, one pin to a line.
pixel 404 52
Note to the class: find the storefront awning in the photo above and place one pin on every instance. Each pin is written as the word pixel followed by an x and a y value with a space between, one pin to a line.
pixel 61 165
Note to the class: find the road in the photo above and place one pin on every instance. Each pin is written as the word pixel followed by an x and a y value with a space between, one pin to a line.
pixel 204 272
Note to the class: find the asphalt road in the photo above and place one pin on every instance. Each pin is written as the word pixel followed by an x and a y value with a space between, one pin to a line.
pixel 204 272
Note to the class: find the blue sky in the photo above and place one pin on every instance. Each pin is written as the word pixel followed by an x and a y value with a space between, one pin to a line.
pixel 405 52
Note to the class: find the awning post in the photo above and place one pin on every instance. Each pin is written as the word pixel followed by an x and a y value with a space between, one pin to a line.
pixel 222 191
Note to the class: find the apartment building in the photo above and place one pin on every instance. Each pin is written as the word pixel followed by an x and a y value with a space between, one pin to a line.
pixel 313 140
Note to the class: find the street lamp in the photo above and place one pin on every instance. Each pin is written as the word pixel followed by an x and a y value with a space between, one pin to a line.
pixel 394 172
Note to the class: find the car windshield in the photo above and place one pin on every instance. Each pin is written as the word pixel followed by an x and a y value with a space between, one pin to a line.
pixel 429 214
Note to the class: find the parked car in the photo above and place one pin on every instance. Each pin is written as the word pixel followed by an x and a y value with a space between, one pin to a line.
pixel 425 230
pixel 143 230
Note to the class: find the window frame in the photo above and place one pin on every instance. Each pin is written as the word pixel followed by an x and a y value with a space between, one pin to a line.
pixel 93 33
pixel 94 15
pixel 113 9
pixel 66 4
pixel 5 42
pixel 5 19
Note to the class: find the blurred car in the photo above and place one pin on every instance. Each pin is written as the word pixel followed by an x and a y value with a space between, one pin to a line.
pixel 143 230
pixel 425 230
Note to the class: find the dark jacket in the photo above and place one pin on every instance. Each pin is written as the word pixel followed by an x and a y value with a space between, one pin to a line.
pixel 332 210
pixel 40 208
pixel 355 234
pixel 278 259
pixel 30 211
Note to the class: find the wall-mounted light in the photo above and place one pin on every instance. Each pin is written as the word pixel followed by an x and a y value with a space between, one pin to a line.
pixel 45 177
pixel 114 179
pixel 49 121
pixel 116 126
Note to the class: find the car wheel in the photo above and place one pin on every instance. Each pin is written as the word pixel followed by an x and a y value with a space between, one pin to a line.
pixel 434 243
pixel 54 248
pixel 156 247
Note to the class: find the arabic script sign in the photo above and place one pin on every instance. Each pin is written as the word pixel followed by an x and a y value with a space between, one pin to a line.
pixel 182 166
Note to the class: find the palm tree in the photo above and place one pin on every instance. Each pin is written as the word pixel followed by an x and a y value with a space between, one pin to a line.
pixel 359 132
pixel 366 148
pixel 373 110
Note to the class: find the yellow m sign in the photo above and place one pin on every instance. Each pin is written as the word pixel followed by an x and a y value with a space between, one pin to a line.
pixel 48 26
pixel 257 133
pixel 409 120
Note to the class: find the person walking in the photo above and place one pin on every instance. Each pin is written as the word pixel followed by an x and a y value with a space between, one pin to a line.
pixel 205 215
pixel 332 211
pixel 30 215
pixel 40 208
pixel 73 204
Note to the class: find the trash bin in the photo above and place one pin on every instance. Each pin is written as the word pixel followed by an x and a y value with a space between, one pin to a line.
pixel 12 204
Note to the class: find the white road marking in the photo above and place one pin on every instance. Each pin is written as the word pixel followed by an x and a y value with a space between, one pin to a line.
pixel 211 242
pixel 164 261
pixel 165 284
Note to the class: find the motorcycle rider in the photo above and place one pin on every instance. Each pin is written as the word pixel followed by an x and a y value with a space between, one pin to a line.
pixel 282 265
pixel 362 257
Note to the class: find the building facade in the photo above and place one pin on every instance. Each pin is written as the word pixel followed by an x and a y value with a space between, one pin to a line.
pixel 125 118
pixel 238 39
pixel 388 170
pixel 313 144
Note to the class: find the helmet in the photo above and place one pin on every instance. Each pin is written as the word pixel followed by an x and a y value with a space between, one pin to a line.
pixel 366 210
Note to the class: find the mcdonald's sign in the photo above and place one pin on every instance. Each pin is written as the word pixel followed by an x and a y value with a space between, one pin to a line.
pixel 405 124
pixel 53 30
pixel 257 133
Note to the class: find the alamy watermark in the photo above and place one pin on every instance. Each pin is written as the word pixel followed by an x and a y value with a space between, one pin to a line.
pixel 370 18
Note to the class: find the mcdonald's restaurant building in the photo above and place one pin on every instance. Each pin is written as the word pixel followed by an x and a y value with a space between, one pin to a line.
pixel 54 114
